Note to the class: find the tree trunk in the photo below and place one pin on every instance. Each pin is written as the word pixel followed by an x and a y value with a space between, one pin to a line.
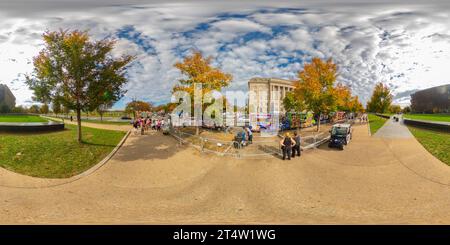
pixel 79 124
pixel 101 117
pixel 318 122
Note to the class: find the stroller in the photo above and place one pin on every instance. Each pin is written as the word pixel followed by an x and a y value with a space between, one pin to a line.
pixel 239 140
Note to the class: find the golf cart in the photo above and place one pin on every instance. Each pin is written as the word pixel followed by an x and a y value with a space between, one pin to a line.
pixel 341 134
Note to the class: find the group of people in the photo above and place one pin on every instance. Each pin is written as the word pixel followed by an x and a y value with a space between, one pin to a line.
pixel 363 118
pixel 144 124
pixel 290 146
pixel 244 137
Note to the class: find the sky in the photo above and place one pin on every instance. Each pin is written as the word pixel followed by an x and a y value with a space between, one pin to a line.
pixel 404 44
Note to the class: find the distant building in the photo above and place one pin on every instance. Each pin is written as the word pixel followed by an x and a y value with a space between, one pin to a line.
pixel 431 100
pixel 267 91
pixel 265 101
pixel 6 98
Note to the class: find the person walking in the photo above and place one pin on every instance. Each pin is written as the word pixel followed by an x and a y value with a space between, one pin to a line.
pixel 286 145
pixel 296 148
pixel 158 125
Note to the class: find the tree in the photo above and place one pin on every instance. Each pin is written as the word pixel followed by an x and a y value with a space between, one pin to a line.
pixel 103 107
pixel 56 107
pixel 65 110
pixel 4 108
pixel 395 109
pixel 19 109
pixel 407 109
pixel 291 102
pixel 44 109
pixel 34 109
pixel 355 105
pixel 198 69
pixel 77 71
pixel 381 99
pixel 315 87
pixel 137 105
pixel 343 97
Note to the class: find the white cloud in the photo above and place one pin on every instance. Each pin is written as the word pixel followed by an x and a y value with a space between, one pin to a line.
pixel 407 46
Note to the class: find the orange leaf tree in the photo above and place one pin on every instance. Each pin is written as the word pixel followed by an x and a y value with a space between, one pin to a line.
pixel 381 99
pixel 197 69
pixel 345 101
pixel 316 87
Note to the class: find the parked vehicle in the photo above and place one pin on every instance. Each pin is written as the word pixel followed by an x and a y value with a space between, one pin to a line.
pixel 341 134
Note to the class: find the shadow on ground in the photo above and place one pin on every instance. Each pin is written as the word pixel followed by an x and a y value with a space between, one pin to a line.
pixel 153 145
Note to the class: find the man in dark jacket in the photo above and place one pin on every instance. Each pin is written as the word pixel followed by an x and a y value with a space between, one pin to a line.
pixel 296 147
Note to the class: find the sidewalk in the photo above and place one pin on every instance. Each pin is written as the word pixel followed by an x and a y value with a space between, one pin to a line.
pixel 394 130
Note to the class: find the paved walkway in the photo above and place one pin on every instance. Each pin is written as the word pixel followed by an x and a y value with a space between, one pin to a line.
pixel 393 129
pixel 97 125
pixel 153 180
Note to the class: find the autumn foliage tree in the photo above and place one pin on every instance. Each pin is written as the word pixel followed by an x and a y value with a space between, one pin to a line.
pixel 137 105
pixel 343 97
pixel 355 105
pixel 315 87
pixel 345 101
pixel 78 72
pixel 395 109
pixel 316 91
pixel 381 99
pixel 198 70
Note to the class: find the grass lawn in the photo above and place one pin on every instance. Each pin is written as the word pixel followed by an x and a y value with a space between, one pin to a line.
pixel 429 117
pixel 436 142
pixel 376 123
pixel 21 118
pixel 57 154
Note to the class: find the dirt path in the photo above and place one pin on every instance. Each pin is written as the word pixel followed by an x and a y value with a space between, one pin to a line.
pixel 152 180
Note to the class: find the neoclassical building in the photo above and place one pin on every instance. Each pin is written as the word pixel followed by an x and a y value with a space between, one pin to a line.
pixel 266 94
pixel 6 97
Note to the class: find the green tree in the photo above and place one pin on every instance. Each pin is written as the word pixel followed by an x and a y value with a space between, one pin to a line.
pixel 291 102
pixel 4 108
pixel 44 109
pixel 65 110
pixel 102 108
pixel 77 71
pixel 18 109
pixel 407 109
pixel 381 99
pixel 56 107
pixel 35 109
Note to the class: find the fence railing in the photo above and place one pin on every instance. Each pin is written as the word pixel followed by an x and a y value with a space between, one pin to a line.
pixel 256 149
